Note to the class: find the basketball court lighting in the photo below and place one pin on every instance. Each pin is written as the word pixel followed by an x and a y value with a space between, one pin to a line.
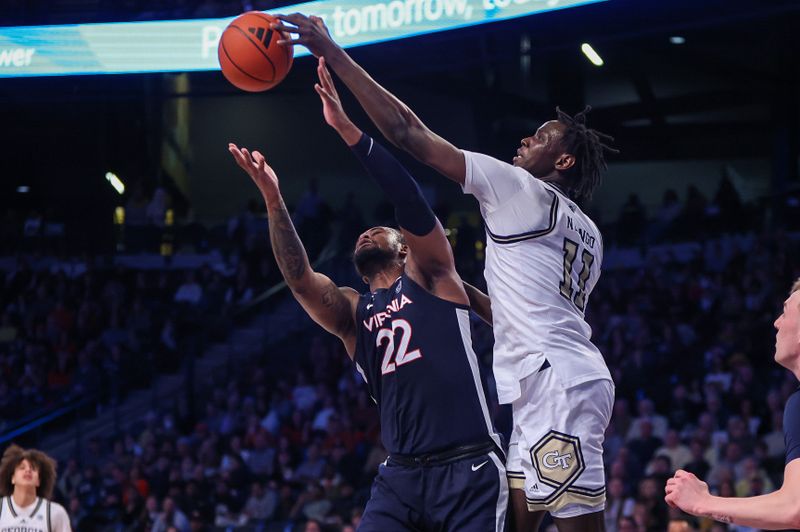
pixel 118 185
pixel 593 56
pixel 23 189
pixel 677 39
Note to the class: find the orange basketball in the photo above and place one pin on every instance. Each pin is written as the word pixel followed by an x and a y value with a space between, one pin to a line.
pixel 249 54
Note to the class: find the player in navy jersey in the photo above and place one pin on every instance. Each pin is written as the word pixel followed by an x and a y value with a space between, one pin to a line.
pixel 543 259
pixel 777 510
pixel 409 337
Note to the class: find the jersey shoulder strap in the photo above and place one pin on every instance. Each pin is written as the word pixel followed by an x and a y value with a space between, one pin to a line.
pixel 49 521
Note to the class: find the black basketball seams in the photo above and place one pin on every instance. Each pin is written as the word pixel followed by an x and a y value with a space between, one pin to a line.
pixel 240 69
pixel 256 44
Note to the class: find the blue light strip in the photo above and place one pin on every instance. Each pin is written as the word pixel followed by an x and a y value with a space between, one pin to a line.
pixel 191 45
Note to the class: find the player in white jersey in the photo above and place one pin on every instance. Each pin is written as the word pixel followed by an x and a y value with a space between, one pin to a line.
pixel 543 259
pixel 27 478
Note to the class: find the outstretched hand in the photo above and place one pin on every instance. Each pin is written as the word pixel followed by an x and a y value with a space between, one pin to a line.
pixel 311 33
pixel 257 168
pixel 332 106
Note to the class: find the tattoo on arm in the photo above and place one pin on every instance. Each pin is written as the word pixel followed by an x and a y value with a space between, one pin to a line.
pixel 333 300
pixel 289 252
pixel 721 518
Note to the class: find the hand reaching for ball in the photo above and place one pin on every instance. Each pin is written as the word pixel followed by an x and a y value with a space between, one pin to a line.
pixel 311 33
pixel 332 106
pixel 257 168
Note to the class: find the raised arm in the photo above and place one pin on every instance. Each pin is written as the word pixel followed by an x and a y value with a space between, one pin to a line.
pixel 431 259
pixel 396 120
pixel 775 511
pixel 330 306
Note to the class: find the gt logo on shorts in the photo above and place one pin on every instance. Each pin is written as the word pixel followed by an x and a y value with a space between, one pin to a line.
pixel 553 460
pixel 558 459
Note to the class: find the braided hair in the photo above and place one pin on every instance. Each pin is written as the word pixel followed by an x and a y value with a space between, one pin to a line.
pixel 588 146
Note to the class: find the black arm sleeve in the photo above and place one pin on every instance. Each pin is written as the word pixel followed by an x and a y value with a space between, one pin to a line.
pixel 411 209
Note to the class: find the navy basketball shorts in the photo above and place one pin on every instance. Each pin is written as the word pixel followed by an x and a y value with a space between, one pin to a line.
pixel 469 494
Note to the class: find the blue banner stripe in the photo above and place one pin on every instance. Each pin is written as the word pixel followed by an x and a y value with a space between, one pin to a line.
pixel 191 45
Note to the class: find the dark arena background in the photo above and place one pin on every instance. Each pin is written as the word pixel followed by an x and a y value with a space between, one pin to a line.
pixel 147 341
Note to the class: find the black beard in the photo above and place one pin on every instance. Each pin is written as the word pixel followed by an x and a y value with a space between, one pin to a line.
pixel 371 260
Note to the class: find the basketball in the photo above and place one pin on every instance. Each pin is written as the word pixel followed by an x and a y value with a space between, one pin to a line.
pixel 249 54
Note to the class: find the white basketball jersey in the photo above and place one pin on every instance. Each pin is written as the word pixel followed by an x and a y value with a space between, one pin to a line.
pixel 41 516
pixel 543 258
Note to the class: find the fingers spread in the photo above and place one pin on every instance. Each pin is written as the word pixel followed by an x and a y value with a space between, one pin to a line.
pixel 326 74
pixel 248 158
pixel 291 41
pixel 326 78
pixel 294 18
pixel 284 28
pixel 237 155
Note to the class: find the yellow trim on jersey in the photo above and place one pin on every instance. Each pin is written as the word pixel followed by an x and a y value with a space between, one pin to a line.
pixel 568 497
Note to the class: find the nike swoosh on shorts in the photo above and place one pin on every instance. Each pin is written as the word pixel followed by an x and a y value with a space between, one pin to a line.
pixel 476 467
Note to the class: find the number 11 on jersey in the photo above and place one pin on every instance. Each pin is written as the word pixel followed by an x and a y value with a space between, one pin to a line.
pixel 570 254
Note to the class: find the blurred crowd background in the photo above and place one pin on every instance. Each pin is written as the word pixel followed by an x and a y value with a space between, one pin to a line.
pixel 146 339
pixel 289 440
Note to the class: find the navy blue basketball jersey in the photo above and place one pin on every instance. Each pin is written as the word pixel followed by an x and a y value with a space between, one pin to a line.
pixel 791 427
pixel 414 350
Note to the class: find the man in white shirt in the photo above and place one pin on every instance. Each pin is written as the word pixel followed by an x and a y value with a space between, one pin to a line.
pixel 27 478
pixel 543 259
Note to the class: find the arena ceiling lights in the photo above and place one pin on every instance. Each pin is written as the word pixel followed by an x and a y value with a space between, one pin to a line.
pixel 191 45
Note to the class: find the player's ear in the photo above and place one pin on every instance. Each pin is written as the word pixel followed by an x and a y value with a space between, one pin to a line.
pixel 403 253
pixel 565 162
pixel 366 280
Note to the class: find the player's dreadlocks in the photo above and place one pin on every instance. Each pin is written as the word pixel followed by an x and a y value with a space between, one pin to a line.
pixel 587 145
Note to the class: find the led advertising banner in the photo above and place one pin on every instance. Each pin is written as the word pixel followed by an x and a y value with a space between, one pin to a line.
pixel 191 45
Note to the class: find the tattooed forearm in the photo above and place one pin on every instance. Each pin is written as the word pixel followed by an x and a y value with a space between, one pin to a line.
pixel 333 300
pixel 720 518
pixel 289 252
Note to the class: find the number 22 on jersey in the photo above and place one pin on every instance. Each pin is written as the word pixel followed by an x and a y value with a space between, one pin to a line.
pixel 396 357
pixel 570 254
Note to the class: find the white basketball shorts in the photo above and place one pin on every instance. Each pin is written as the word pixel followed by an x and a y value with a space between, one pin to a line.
pixel 556 449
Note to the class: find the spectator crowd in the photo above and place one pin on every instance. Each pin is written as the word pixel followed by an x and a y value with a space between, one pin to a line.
pixel 292 441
